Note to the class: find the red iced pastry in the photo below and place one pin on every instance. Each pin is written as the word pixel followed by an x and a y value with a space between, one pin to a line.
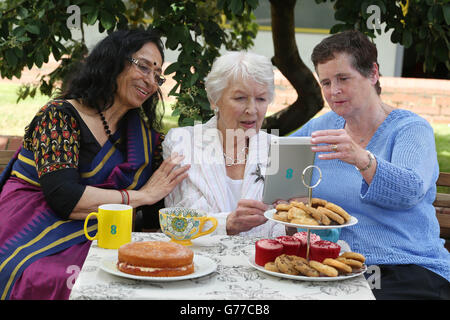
pixel 302 236
pixel 291 245
pixel 323 249
pixel 266 250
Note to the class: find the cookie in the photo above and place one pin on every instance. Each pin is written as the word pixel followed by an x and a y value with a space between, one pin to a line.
pixel 295 213
pixel 324 269
pixel 281 216
pixel 285 264
pixel 355 264
pixel 337 209
pixel 353 255
pixel 310 210
pixel 305 269
pixel 301 259
pixel 271 266
pixel 317 202
pixel 332 215
pixel 283 207
pixel 305 221
pixel 300 205
pixel 337 265
pixel 320 217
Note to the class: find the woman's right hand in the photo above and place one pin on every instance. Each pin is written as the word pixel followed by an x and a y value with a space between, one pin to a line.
pixel 164 180
pixel 248 214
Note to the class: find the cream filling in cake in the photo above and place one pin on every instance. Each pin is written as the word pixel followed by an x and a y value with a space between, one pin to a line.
pixel 148 269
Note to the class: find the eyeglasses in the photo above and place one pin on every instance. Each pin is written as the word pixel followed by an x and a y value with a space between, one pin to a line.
pixel 145 69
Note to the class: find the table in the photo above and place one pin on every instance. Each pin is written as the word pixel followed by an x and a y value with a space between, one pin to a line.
pixel 234 278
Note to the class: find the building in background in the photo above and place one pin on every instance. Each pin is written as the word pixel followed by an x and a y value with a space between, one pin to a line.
pixel 312 24
pixel 312 21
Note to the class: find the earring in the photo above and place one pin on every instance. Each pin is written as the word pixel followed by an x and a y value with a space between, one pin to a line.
pixel 216 111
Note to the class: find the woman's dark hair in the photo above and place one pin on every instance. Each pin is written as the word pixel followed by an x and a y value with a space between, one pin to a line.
pixel 362 51
pixel 95 82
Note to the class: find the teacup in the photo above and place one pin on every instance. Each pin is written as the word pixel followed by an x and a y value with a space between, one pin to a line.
pixel 184 224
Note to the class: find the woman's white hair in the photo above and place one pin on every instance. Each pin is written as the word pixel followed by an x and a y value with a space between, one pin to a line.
pixel 238 65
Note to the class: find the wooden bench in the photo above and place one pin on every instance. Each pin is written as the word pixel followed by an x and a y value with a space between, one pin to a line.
pixel 442 205
pixel 5 156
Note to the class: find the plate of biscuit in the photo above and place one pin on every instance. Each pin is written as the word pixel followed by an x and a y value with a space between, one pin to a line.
pixel 346 266
pixel 321 214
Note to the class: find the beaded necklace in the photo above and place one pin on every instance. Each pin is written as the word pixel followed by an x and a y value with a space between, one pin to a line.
pixel 107 130
pixel 105 125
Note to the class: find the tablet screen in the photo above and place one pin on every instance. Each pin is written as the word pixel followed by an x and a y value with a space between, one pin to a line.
pixel 288 157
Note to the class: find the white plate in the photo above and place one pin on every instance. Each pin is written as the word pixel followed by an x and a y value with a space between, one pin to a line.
pixel 269 215
pixel 202 267
pixel 251 261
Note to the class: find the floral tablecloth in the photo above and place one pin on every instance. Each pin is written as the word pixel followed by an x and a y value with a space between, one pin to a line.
pixel 233 279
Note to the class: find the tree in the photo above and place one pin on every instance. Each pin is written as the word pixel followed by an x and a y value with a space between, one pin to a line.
pixel 196 29
pixel 30 31
pixel 422 24
pixel 290 64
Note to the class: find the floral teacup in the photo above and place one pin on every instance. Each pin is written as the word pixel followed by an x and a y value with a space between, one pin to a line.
pixel 184 224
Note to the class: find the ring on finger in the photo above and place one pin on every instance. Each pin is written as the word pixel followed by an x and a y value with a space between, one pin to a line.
pixel 334 147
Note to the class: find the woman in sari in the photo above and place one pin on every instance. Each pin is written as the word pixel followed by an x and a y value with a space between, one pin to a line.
pixel 97 143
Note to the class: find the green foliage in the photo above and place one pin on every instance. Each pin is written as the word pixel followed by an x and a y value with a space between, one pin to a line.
pixel 198 39
pixel 32 30
pixel 425 27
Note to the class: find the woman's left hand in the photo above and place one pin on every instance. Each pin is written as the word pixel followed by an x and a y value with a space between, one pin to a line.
pixel 164 179
pixel 338 145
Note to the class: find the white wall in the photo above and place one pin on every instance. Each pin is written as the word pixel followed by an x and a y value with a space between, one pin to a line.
pixel 387 51
pixel 390 56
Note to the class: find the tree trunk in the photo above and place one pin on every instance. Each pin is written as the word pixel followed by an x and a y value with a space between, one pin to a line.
pixel 287 60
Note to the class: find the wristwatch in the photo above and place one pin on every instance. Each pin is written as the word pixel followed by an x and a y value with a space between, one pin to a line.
pixel 371 158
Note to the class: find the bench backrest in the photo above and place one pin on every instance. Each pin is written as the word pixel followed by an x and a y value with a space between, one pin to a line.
pixel 443 199
pixel 442 204
pixel 5 156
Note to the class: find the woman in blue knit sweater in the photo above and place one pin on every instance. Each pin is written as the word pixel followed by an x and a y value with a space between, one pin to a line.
pixel 379 164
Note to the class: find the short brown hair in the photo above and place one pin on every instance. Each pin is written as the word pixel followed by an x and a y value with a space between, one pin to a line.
pixel 362 51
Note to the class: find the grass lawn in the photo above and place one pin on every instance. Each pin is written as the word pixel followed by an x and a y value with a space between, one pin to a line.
pixel 442 135
pixel 15 116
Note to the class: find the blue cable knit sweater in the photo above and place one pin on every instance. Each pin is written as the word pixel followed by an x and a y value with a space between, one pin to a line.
pixel 396 219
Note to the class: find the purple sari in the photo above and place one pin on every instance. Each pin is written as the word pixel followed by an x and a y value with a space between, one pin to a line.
pixel 40 254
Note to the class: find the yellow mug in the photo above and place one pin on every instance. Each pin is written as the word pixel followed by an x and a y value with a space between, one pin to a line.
pixel 114 225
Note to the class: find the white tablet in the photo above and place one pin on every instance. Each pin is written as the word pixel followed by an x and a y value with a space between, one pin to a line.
pixel 288 157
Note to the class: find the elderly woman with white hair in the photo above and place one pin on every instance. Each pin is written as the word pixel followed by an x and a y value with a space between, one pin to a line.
pixel 228 154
